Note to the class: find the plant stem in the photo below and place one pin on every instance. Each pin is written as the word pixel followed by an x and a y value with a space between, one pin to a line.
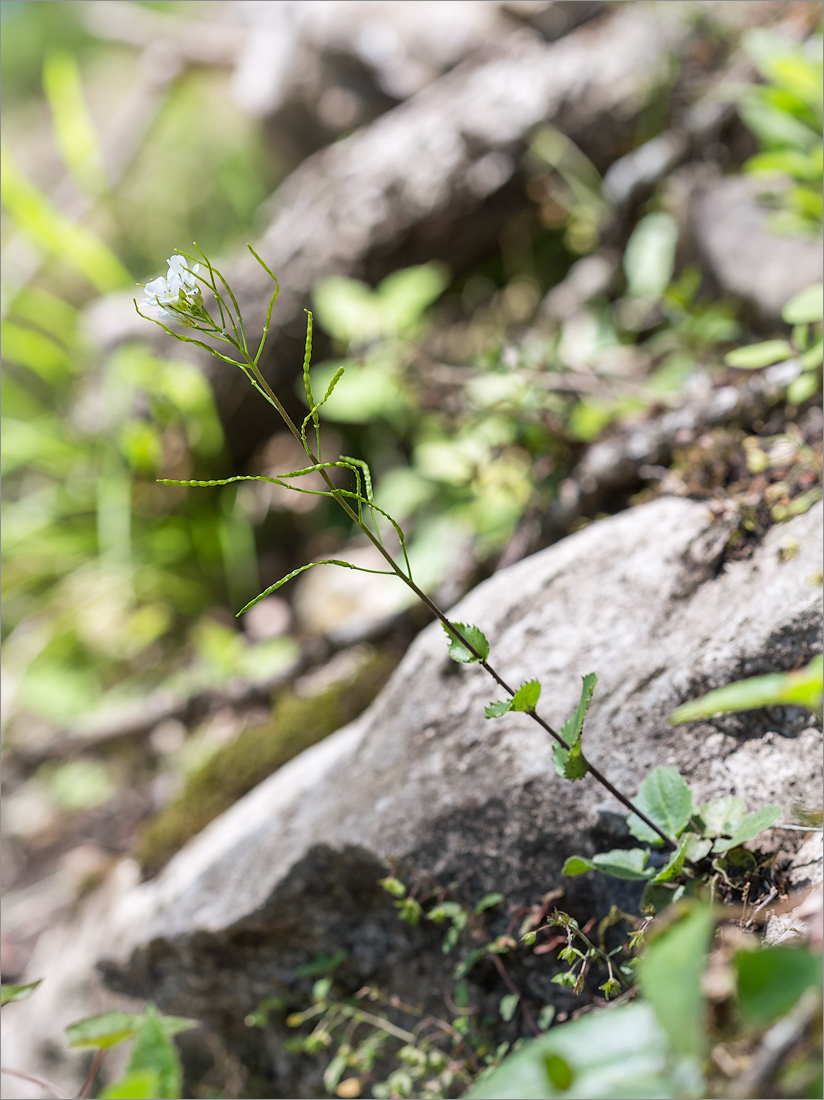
pixel 49 1086
pixel 436 611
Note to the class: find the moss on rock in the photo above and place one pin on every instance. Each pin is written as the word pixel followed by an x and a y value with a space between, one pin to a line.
pixel 296 723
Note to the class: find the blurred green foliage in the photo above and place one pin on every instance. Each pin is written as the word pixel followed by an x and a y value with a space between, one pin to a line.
pixel 107 576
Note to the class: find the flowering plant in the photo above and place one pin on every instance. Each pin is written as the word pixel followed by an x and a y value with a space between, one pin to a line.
pixel 179 298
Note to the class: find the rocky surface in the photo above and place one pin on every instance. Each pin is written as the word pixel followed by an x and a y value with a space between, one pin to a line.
pixel 644 600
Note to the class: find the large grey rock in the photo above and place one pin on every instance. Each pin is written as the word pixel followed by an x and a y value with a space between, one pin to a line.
pixel 292 868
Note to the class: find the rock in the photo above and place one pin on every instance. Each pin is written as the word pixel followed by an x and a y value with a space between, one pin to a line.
pixel 744 257
pixel 422 777
pixel 435 178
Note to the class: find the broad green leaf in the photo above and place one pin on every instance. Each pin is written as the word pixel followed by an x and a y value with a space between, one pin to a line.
pixel 613 1054
pixel 722 816
pixel 802 688
pixel 805 307
pixel 670 978
pixel 750 827
pixel 771 980
pixel 154 1052
pixel 667 800
pixel 9 993
pixel 760 355
pixel 526 697
pixel 624 863
pixel 476 638
pixel 497 710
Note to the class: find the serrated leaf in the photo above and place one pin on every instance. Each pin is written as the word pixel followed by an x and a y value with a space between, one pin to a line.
pixel 624 863
pixel 496 710
pixel 9 993
pixel 476 638
pixel 750 827
pixel 526 697
pixel 573 727
pixel 667 800
pixel 760 355
pixel 569 763
pixel 806 306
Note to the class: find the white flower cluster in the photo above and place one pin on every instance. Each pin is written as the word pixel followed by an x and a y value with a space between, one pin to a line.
pixel 179 290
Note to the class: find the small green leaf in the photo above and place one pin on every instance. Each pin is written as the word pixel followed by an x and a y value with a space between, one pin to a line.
pixel 103 1031
pixel 333 1072
pixel 813 357
pixel 496 710
pixel 670 977
pixel 675 864
pixel 722 816
pixel 393 886
pixel 569 763
pixel 806 306
pixel 526 696
pixel 697 847
pixel 574 726
pixel 667 800
pixel 546 1016
pixel 9 993
pixel 750 827
pixel 623 863
pixel 320 989
pixel 463 967
pixel 760 355
pixel 771 980
pixel 577 865
pixel 488 901
pixel 476 638
pixel 801 388
pixel 508 1005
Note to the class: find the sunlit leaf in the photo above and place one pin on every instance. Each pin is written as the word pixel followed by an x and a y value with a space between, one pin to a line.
pixel 801 688
pixel 667 800
pixel 760 355
pixel 9 993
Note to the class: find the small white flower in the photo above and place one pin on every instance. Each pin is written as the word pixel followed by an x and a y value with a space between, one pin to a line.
pixel 179 290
